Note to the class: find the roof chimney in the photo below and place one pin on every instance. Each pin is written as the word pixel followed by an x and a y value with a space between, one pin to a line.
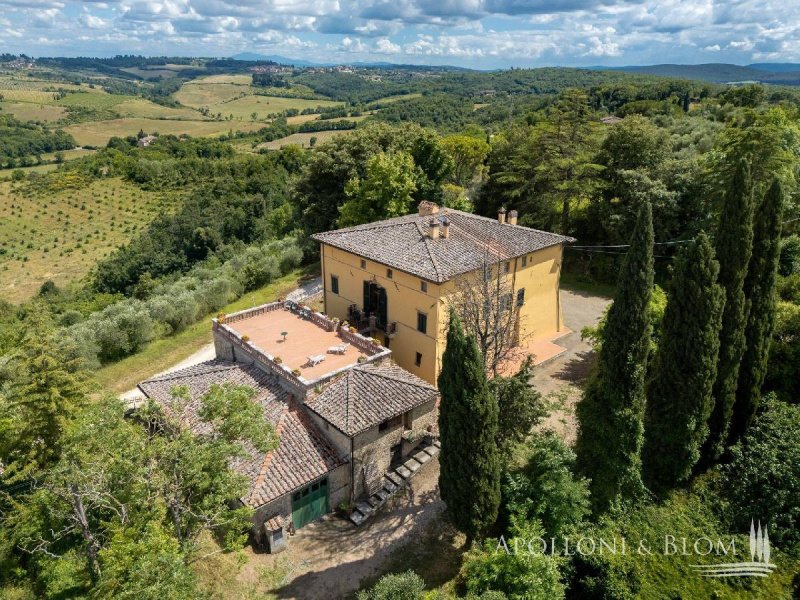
pixel 512 217
pixel 428 208
pixel 434 229
pixel 501 215
pixel 445 228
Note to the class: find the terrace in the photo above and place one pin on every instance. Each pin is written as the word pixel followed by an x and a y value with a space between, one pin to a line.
pixel 294 342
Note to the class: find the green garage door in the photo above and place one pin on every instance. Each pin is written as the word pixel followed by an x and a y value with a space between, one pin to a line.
pixel 310 503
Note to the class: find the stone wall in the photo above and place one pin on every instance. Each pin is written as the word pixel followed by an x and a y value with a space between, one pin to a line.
pixel 338 491
pixel 375 446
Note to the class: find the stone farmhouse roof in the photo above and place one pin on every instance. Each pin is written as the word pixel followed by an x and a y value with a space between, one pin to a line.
pixel 369 394
pixel 303 454
pixel 404 243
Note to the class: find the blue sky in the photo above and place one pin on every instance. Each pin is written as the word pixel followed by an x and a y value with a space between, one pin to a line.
pixel 471 33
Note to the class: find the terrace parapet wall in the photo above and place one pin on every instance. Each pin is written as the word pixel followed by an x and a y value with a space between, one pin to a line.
pixel 220 326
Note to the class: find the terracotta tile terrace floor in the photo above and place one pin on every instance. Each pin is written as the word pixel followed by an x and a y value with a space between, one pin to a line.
pixel 304 338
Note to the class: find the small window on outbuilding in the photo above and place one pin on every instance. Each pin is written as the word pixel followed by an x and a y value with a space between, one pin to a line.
pixel 520 296
pixel 418 360
pixel 507 267
pixel 525 261
pixel 363 264
pixel 389 273
pixel 334 284
pixel 423 286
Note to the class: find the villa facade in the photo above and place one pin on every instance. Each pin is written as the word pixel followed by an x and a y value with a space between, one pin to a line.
pixel 395 278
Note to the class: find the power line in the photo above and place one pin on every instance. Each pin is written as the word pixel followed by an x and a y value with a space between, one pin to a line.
pixel 669 243
pixel 588 251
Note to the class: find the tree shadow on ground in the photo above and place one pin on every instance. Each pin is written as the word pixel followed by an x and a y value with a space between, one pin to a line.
pixel 578 368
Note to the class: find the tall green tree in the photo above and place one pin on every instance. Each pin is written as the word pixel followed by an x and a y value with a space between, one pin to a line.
pixel 734 245
pixel 46 391
pixel 469 478
pixel 384 192
pixel 519 404
pixel 468 154
pixel 759 288
pixel 547 169
pixel 679 399
pixel 610 415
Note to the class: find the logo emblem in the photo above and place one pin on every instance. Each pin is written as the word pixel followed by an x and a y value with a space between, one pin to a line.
pixel 759 565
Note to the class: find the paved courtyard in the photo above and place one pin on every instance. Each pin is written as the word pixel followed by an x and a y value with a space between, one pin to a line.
pixel 559 379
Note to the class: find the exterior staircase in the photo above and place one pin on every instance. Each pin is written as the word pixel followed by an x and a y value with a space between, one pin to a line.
pixel 395 480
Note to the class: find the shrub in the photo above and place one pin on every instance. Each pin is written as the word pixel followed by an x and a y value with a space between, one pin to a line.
pixel 545 488
pixel 396 586
pixel 123 329
pixel 784 355
pixel 519 575
pixel 789 262
pixel 763 478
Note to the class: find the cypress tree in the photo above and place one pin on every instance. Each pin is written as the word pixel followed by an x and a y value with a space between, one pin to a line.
pixel 679 398
pixel 759 288
pixel 469 479
pixel 734 245
pixel 610 415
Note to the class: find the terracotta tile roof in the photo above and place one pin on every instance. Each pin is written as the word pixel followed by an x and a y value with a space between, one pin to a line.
pixel 303 453
pixel 369 394
pixel 403 243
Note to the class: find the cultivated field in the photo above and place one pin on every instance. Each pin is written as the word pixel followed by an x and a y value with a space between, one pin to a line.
pixel 233 95
pixel 97 133
pixel 31 111
pixel 61 235
pixel 48 160
pixel 145 109
pixel 304 139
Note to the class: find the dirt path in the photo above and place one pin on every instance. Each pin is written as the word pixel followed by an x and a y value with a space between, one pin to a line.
pixel 558 380
pixel 328 559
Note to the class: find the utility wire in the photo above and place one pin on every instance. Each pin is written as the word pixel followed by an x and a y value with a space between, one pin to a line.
pixel 606 252
pixel 628 245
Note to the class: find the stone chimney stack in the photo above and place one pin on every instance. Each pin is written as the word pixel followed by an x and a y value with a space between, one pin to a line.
pixel 501 215
pixel 428 208
pixel 445 228
pixel 512 217
pixel 434 229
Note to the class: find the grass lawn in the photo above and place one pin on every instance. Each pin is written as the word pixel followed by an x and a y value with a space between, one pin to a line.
pixel 61 235
pixel 97 133
pixel 162 354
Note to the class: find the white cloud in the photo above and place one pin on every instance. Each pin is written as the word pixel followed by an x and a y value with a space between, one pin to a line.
pixel 482 33
pixel 386 46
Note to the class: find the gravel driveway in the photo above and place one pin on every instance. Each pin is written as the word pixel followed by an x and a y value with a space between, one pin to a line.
pixel 559 379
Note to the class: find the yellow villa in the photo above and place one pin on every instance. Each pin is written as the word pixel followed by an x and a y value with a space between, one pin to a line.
pixel 395 278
